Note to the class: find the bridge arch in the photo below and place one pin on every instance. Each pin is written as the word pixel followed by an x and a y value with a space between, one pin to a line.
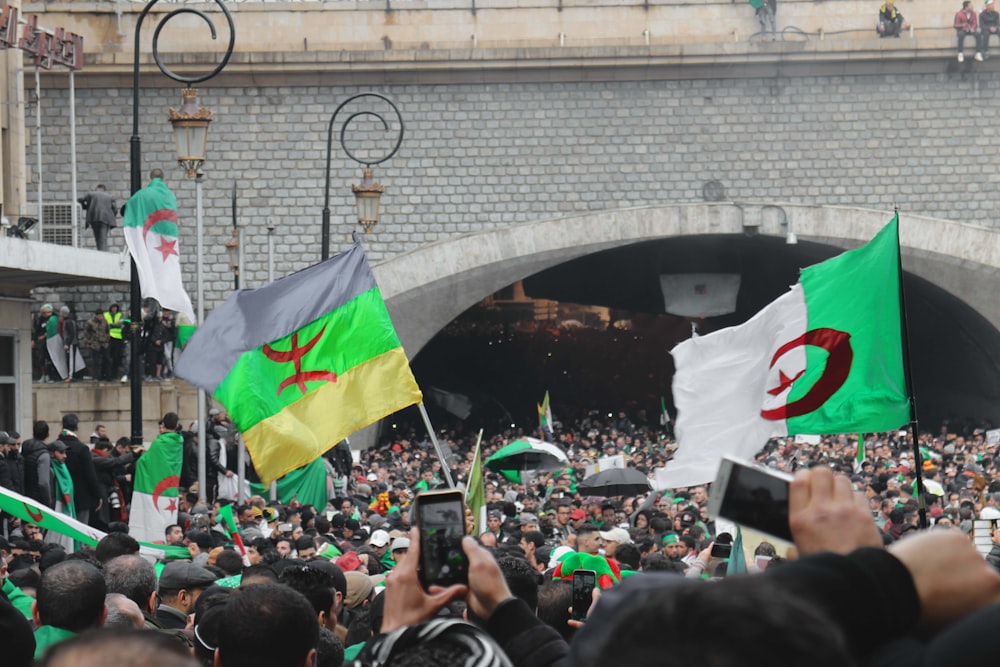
pixel 953 263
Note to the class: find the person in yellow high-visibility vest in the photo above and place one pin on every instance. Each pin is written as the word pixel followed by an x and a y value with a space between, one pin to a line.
pixel 113 317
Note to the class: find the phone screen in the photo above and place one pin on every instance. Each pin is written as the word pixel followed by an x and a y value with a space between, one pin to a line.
pixel 441 518
pixel 583 590
pixel 757 499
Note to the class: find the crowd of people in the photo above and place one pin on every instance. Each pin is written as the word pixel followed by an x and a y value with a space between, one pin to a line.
pixel 99 348
pixel 969 25
pixel 339 583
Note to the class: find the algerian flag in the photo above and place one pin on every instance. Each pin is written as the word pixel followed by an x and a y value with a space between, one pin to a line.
pixel 154 500
pixel 302 363
pixel 28 509
pixel 475 491
pixel 825 357
pixel 306 484
pixel 150 226
pixel 185 329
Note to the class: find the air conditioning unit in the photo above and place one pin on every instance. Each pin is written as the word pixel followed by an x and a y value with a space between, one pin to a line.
pixel 57 222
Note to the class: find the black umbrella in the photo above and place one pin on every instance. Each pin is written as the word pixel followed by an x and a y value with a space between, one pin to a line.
pixel 615 482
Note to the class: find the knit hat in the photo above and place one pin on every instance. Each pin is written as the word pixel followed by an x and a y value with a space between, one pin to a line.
pixel 608 572
pixel 359 587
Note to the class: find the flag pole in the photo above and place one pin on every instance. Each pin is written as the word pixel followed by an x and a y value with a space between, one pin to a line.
pixel 437 445
pixel 908 379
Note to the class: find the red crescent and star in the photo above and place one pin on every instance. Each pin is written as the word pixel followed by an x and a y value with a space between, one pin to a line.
pixel 163 485
pixel 838 367
pixel 167 246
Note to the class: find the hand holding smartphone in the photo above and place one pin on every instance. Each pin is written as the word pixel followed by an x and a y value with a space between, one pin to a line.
pixel 441 520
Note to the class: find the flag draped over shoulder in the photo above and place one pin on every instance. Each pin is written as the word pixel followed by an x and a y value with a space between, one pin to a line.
pixel 306 484
pixel 302 363
pixel 150 226
pixel 154 499
pixel 825 357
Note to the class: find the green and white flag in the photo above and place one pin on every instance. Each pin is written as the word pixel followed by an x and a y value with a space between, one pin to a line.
pixel 29 510
pixel 154 500
pixel 150 226
pixel 825 357
pixel 475 492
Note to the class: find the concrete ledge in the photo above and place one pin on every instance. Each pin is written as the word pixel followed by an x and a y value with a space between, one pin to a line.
pixel 28 264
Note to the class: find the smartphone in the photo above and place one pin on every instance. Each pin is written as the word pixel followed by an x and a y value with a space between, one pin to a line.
pixel 752 496
pixel 441 520
pixel 583 592
pixel 721 550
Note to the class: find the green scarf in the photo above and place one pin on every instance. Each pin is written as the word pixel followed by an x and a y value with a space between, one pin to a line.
pixel 64 488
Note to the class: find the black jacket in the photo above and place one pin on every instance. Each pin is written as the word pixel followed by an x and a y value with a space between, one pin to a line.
pixel 86 489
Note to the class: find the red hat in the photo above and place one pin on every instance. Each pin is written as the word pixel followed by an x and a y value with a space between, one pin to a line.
pixel 349 562
pixel 577 515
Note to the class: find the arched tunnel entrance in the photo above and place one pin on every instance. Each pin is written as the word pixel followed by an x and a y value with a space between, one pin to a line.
pixel 574 306
pixel 593 332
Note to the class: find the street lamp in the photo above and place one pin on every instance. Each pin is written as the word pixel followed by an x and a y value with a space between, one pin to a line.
pixel 368 194
pixel 190 132
pixel 135 173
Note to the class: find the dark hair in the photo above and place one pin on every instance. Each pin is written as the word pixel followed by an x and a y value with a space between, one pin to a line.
pixel 305 542
pixel 522 579
pixel 314 584
pixel 554 600
pixel 170 421
pixel 360 629
pixel 113 545
pixel 70 421
pixel 71 596
pixel 133 577
pixel 329 649
pixel 209 615
pixel 230 562
pixel 628 555
pixel 534 537
pixel 586 529
pixel 40 430
pixel 259 615
pixel 119 646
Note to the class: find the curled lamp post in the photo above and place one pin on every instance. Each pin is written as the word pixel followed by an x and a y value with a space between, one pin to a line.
pixel 135 172
pixel 368 194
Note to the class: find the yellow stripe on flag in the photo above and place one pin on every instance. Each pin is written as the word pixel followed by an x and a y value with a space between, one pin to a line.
pixel 307 428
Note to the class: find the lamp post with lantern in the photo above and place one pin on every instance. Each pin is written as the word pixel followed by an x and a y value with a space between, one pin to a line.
pixel 368 193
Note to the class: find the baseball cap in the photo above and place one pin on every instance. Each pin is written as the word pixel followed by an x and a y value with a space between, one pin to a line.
pixel 401 543
pixel 619 535
pixel 577 515
pixel 349 562
pixel 380 538
pixel 527 518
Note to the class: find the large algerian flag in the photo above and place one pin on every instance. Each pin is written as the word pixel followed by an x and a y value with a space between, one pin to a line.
pixel 150 226
pixel 154 499
pixel 825 357
pixel 302 363
pixel 475 491
pixel 306 484
pixel 28 509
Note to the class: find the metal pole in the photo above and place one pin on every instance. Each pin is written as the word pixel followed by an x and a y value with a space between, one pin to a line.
pixel 72 158
pixel 437 446
pixel 270 254
pixel 38 149
pixel 241 463
pixel 200 270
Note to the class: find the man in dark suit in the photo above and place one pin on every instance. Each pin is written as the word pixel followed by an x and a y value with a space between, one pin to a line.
pixel 101 211
pixel 86 490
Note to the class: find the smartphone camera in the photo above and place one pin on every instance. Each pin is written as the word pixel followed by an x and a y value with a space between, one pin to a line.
pixel 441 519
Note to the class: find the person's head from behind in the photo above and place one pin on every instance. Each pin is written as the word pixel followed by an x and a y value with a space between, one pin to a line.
pixel 71 597
pixel 672 621
pixel 119 647
pixel 70 421
pixel 554 600
pixel 256 618
pixel 316 586
pixel 135 578
pixel 114 545
pixel 122 612
pixel 40 430
pixel 434 643
pixel 522 579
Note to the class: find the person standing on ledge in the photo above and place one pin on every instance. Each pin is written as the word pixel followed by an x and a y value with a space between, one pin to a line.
pixel 101 212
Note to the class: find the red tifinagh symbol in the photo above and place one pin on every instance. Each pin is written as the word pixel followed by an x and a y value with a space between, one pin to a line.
pixel 35 514
pixel 838 367
pixel 294 355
